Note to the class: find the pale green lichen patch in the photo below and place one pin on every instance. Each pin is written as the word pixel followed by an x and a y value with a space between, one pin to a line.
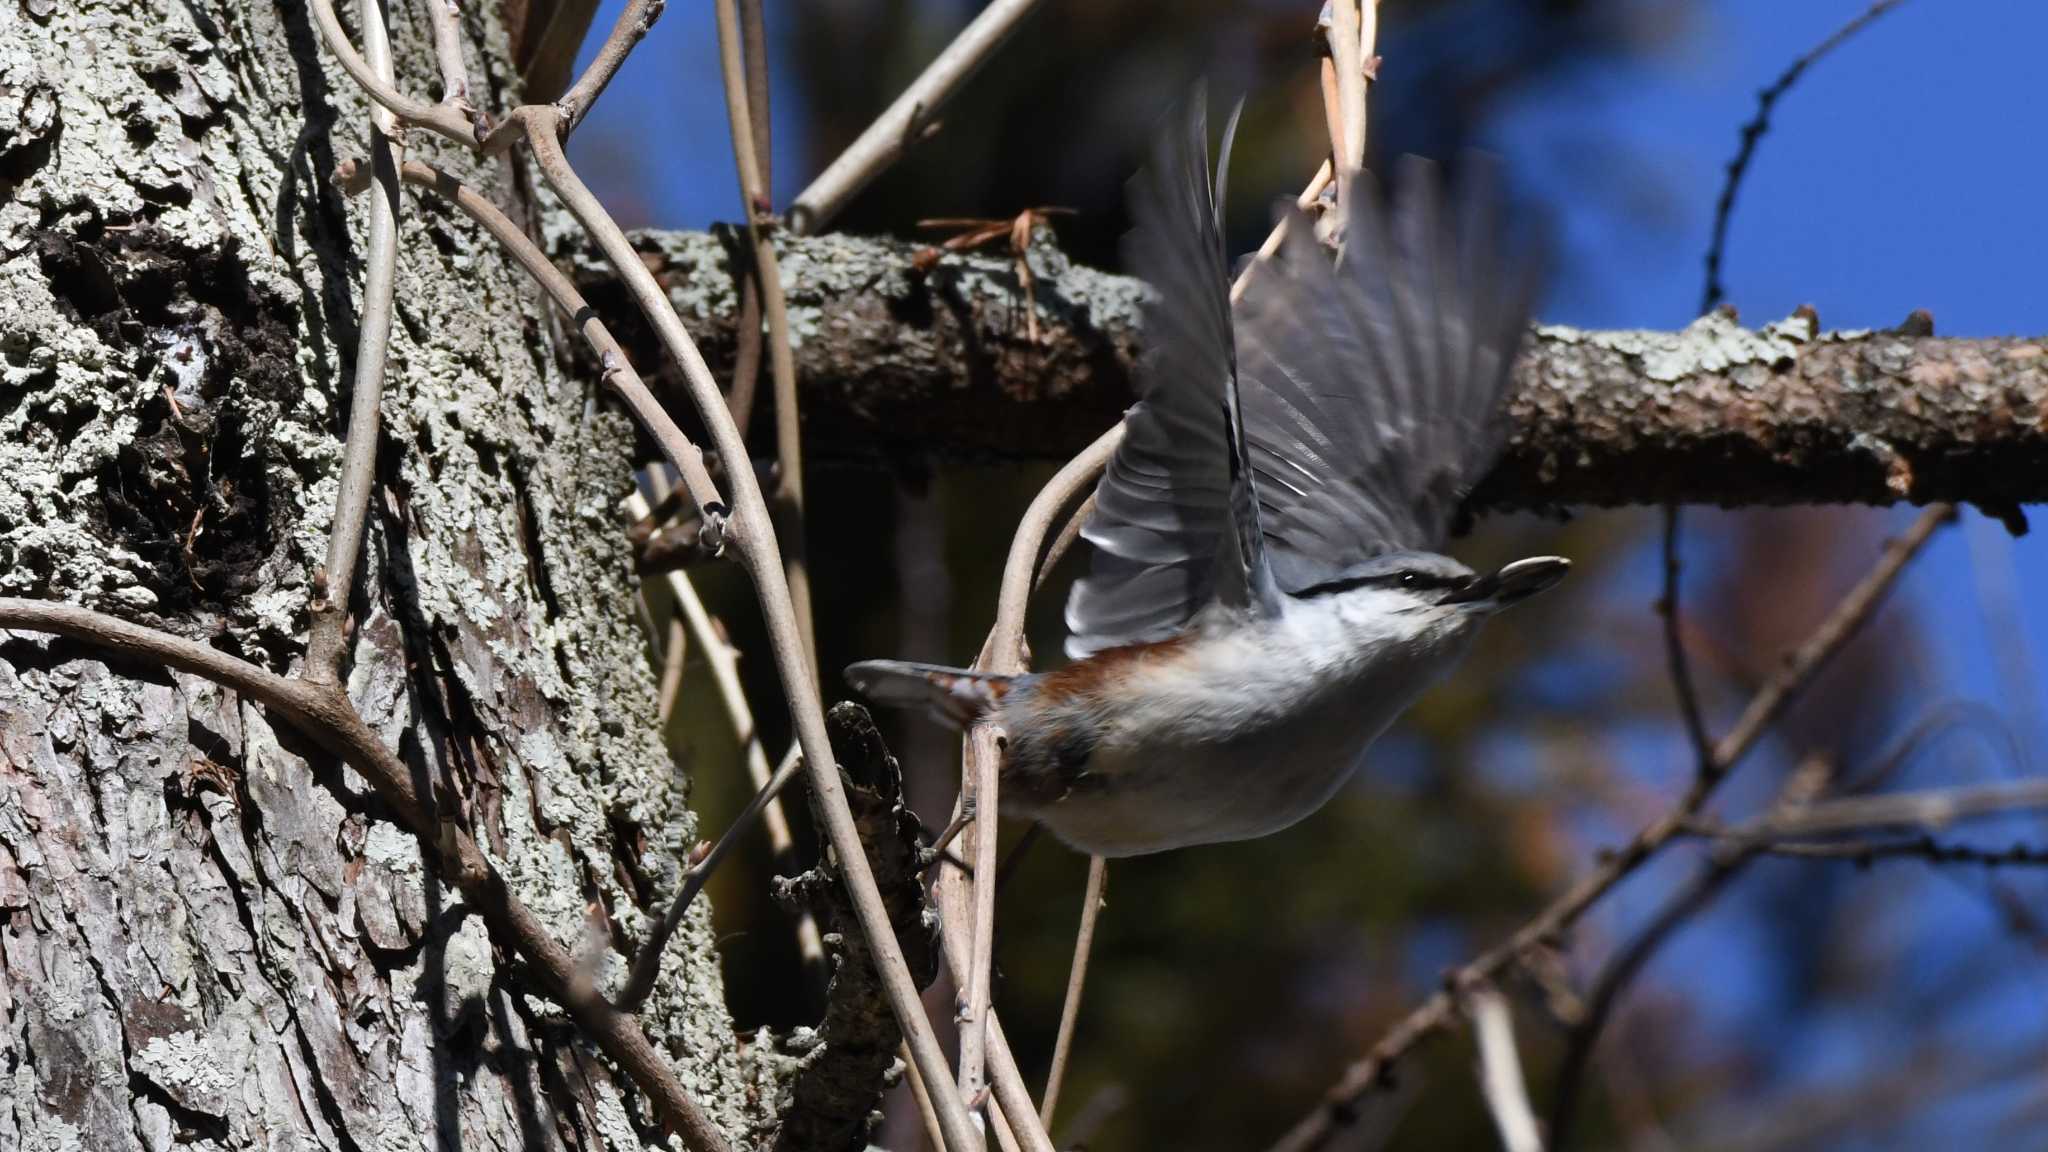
pixel 1710 345
pixel 199 1072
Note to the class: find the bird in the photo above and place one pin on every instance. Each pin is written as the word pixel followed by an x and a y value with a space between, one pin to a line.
pixel 1265 594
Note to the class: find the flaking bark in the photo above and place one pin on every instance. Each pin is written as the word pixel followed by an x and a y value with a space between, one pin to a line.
pixel 834 1096
pixel 897 362
pixel 210 932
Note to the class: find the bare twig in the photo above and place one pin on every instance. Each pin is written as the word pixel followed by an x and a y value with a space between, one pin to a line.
pixel 380 88
pixel 313 709
pixel 1500 1070
pixel 764 806
pixel 1674 648
pixel 1004 651
pixel 1077 977
pixel 754 45
pixel 748 143
pixel 761 557
pixel 327 646
pixel 746 360
pixel 1798 668
pixel 1011 1094
pixel 1349 21
pixel 1752 132
pixel 324 714
pixel 1064 542
pixel 445 16
pixel 1333 100
pixel 1309 196
pixel 1620 972
pixel 908 119
pixel 1933 809
pixel 746 356
pixel 1711 295
pixel 1808 780
pixel 1923 848
pixel 923 1097
pixel 983 759
pixel 723 661
pixel 647 961
pixel 963 815
pixel 673 655
pixel 635 19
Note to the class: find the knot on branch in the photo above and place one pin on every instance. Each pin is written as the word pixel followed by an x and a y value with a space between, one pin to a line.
pixel 832 1100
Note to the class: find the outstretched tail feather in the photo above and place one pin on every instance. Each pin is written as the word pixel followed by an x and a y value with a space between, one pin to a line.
pixel 955 697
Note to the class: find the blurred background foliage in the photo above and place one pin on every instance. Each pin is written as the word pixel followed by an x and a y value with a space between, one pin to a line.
pixel 1812 1004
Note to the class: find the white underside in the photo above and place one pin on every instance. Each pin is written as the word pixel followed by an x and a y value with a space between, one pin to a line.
pixel 1255 725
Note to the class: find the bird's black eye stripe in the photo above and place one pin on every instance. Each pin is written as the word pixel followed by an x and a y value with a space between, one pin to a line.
pixel 1411 580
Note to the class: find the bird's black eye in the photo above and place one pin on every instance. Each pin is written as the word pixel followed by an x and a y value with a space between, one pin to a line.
pixel 1410 579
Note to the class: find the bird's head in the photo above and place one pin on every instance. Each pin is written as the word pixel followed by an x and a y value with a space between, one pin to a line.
pixel 1425 583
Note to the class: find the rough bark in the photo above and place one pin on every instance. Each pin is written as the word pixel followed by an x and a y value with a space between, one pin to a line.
pixel 831 1100
pixel 210 932
pixel 900 362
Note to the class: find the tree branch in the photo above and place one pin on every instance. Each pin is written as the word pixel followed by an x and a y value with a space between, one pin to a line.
pixel 896 363
pixel 748 144
pixel 906 121
pixel 445 17
pixel 1077 976
pixel 632 26
pixel 411 109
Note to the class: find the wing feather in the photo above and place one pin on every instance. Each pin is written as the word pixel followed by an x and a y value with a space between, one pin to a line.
pixel 1340 410
pixel 1176 521
pixel 1372 387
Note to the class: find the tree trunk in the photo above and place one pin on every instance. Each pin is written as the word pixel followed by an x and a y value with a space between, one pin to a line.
pixel 210 931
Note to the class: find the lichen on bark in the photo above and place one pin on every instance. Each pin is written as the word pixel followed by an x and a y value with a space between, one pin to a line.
pixel 210 930
pixel 939 364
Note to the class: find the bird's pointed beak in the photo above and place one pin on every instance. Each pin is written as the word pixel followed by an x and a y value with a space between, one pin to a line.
pixel 1512 584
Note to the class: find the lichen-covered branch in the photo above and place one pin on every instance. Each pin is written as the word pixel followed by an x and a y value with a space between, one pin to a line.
pixel 898 361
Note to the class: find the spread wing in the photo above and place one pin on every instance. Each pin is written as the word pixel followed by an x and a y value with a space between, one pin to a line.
pixel 1176 522
pixel 1372 385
